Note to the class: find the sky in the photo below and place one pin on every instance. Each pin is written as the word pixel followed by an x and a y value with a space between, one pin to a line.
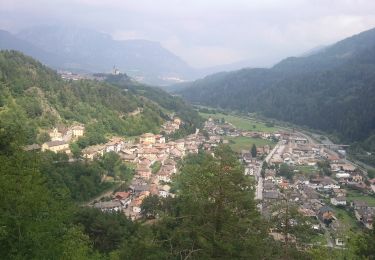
pixel 205 33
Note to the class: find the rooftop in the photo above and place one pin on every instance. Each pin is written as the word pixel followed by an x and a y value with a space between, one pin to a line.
pixel 55 143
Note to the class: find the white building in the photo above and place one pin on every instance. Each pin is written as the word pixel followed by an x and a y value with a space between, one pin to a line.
pixel 338 201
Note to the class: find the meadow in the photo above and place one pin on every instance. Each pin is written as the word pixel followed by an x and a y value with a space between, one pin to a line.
pixel 243 123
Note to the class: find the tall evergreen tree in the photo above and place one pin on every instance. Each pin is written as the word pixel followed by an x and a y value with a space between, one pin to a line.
pixel 34 221
pixel 253 151
pixel 364 245
pixel 214 214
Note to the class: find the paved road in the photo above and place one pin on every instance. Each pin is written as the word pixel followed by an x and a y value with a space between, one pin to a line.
pixel 259 187
pixel 104 194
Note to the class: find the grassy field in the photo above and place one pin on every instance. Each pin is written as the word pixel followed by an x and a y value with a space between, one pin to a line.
pixel 242 123
pixel 356 195
pixel 245 143
pixel 318 239
pixel 348 221
pixel 306 169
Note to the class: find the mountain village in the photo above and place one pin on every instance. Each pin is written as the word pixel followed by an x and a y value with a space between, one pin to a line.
pixel 155 163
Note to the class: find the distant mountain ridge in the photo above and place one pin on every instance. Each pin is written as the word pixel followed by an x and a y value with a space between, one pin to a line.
pixel 314 50
pixel 85 50
pixel 332 90
pixel 10 41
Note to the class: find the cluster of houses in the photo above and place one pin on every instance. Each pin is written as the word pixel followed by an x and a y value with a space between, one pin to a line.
pixel 170 127
pixel 219 127
pixel 252 165
pixel 115 144
pixel 315 196
pixel 310 196
pixel 60 138
pixel 68 75
pixel 155 164
pixel 297 151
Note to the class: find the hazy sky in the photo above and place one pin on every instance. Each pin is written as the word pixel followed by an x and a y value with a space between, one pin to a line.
pixel 206 32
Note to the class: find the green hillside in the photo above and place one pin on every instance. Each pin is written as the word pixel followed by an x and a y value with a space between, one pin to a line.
pixel 36 96
pixel 169 104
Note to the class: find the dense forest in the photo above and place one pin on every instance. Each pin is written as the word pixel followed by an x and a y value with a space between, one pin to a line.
pixel 332 90
pixel 40 99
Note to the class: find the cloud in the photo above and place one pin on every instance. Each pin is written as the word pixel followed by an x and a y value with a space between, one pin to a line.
pixel 203 55
pixel 128 35
pixel 206 32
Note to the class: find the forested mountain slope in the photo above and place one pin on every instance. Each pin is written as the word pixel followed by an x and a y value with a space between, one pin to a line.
pixel 176 105
pixel 36 96
pixel 332 90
